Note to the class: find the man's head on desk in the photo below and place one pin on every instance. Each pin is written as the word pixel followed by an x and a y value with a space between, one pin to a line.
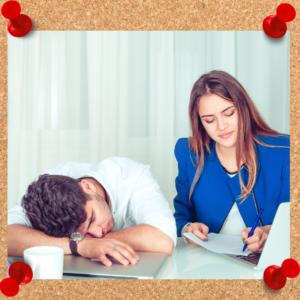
pixel 60 205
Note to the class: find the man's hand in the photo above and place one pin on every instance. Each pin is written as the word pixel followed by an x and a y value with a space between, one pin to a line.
pixel 199 230
pixel 98 248
pixel 257 241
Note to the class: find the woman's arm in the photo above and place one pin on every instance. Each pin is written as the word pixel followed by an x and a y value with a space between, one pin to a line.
pixel 184 211
pixel 257 240
pixel 284 195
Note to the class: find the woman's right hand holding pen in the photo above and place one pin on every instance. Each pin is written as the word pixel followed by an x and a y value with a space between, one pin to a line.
pixel 200 230
pixel 257 241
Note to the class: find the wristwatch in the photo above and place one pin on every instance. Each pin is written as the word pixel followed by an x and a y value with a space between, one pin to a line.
pixel 75 238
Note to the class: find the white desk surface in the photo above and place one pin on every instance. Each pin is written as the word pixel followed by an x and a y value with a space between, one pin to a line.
pixel 193 262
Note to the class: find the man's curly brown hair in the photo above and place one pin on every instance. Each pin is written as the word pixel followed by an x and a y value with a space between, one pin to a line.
pixel 55 205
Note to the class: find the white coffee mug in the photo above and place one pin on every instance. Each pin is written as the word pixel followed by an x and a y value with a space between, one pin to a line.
pixel 46 262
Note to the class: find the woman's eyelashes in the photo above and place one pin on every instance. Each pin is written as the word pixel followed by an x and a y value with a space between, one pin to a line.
pixel 230 114
pixel 210 121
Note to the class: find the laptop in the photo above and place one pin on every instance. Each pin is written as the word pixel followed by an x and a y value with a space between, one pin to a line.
pixel 277 246
pixel 146 268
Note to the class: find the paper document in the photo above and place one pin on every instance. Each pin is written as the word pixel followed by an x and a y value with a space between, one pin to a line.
pixel 221 243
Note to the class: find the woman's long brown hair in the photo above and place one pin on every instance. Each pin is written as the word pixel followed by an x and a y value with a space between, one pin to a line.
pixel 250 125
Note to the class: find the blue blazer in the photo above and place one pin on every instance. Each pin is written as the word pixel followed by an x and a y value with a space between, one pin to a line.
pixel 215 192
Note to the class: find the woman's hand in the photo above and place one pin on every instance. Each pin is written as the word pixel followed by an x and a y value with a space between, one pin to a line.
pixel 257 241
pixel 199 230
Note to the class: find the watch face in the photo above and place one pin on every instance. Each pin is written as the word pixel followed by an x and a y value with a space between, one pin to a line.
pixel 77 236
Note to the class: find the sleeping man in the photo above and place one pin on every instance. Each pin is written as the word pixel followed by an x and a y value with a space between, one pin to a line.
pixel 114 207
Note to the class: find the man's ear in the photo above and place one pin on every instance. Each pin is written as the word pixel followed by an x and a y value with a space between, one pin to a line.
pixel 87 186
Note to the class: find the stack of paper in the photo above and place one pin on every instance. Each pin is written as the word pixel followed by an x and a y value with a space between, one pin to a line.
pixel 221 243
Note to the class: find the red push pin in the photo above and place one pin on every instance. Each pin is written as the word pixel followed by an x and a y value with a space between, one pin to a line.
pixel 275 26
pixel 19 24
pixel 275 277
pixel 9 287
pixel 21 272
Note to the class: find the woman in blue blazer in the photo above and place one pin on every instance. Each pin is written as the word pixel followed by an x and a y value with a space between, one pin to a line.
pixel 233 165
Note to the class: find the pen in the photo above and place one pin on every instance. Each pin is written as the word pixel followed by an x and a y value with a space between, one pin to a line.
pixel 254 226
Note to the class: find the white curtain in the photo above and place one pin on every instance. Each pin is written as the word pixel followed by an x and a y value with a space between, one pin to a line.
pixel 86 96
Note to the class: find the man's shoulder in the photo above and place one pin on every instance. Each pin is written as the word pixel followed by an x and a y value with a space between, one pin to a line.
pixel 118 160
pixel 70 168
pixel 122 165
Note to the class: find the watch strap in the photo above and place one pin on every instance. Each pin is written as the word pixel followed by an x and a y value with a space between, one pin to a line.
pixel 73 247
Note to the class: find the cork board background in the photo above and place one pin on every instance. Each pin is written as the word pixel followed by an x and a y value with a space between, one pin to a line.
pixel 155 15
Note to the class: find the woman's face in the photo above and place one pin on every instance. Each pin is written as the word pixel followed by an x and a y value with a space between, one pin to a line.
pixel 220 120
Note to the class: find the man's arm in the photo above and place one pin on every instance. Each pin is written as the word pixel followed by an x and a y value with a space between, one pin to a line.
pixel 155 228
pixel 144 237
pixel 21 237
